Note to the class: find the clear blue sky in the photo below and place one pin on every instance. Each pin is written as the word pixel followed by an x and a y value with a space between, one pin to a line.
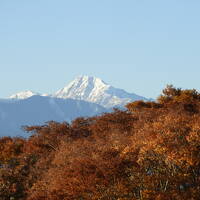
pixel 137 45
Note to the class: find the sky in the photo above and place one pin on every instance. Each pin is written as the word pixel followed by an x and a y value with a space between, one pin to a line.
pixel 137 45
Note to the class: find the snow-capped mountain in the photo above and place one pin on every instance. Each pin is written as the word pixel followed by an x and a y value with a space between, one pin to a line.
pixel 89 89
pixel 97 91
pixel 23 95
pixel 84 96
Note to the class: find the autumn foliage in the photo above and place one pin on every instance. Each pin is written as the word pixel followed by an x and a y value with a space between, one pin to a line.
pixel 151 151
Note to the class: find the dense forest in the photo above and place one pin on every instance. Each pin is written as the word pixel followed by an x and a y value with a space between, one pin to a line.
pixel 150 151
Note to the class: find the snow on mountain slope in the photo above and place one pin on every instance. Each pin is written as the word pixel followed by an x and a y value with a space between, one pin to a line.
pixel 23 95
pixel 84 96
pixel 97 91
pixel 89 89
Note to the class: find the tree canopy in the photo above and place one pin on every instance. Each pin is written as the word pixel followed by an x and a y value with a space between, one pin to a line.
pixel 151 151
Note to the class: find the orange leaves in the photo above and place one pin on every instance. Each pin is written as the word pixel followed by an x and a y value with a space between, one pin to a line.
pixel 10 148
pixel 187 100
pixel 150 151
pixel 139 105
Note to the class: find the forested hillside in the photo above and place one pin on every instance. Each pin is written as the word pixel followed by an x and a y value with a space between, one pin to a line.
pixel 151 151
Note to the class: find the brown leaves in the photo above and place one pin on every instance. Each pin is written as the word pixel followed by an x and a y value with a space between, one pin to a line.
pixel 150 151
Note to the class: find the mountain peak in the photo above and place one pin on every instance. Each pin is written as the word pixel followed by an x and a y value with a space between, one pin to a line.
pixel 23 95
pixel 82 88
pixel 91 89
pixel 90 80
pixel 95 90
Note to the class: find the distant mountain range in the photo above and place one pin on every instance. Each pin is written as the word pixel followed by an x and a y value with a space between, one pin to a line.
pixel 89 89
pixel 37 110
pixel 84 96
